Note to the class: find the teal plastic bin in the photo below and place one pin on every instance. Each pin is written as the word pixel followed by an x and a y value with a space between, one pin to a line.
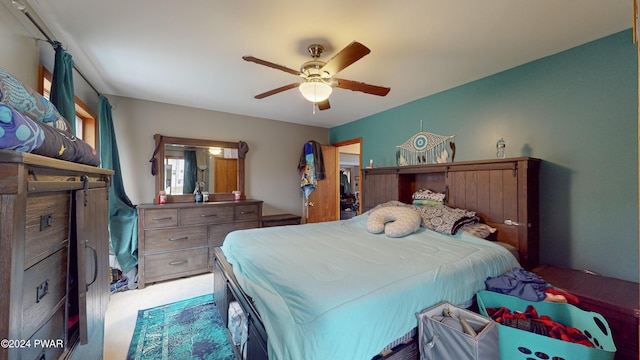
pixel 519 344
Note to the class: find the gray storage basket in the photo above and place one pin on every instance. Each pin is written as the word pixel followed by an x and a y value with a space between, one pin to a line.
pixel 439 341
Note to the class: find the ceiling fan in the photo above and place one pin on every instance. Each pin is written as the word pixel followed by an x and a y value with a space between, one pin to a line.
pixel 319 77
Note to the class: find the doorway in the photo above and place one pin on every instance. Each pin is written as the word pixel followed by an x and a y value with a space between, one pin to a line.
pixel 349 186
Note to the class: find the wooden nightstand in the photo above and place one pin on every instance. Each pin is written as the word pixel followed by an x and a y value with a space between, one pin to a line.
pixel 615 299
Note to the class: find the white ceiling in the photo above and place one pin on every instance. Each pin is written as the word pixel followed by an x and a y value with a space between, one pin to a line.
pixel 190 52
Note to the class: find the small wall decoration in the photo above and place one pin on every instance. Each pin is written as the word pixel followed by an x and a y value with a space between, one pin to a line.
pixel 425 148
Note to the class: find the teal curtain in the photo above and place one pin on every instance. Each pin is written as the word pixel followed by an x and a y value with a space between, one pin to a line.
pixel 123 216
pixel 190 172
pixel 62 93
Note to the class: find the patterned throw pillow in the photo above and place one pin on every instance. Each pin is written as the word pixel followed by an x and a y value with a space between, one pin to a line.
pixel 395 221
pixel 444 219
pixel 29 102
pixel 18 132
pixel 63 145
pixel 426 194
pixel 480 230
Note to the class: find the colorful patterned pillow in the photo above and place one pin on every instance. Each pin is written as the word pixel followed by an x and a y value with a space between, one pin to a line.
pixel 18 132
pixel 426 202
pixel 63 145
pixel 27 101
pixel 395 221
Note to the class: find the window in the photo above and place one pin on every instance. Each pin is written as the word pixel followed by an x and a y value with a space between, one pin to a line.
pixel 85 121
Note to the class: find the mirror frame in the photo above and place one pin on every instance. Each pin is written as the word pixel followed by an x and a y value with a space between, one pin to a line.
pixel 162 140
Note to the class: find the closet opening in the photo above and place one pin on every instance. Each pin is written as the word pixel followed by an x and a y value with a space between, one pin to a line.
pixel 349 167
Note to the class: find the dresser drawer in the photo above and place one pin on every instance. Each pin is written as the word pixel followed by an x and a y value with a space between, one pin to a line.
pixel 174 264
pixel 160 218
pixel 48 342
pixel 47 225
pixel 45 287
pixel 206 215
pixel 217 233
pixel 163 240
pixel 246 212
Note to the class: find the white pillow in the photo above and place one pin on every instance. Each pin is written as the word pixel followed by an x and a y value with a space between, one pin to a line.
pixel 395 221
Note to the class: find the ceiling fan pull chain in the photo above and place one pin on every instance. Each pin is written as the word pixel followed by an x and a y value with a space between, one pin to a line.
pixel 315 95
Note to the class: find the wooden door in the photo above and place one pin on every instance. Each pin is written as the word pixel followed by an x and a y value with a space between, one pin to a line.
pixel 323 203
pixel 92 239
pixel 225 175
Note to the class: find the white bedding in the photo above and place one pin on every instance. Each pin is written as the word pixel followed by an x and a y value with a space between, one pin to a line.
pixel 334 291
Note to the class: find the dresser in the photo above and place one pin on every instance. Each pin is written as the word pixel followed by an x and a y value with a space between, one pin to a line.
pixel 54 248
pixel 177 239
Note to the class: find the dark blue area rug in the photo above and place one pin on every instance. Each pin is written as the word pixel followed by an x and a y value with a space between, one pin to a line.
pixel 187 329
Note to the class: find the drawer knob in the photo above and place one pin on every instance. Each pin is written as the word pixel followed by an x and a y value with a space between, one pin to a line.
pixel 46 221
pixel 179 238
pixel 162 218
pixel 208 215
pixel 178 262
pixel 42 290
pixel 247 212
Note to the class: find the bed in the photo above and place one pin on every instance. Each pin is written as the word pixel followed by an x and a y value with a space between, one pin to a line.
pixel 347 286
pixel 367 287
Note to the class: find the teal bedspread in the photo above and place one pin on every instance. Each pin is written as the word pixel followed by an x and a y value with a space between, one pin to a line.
pixel 334 291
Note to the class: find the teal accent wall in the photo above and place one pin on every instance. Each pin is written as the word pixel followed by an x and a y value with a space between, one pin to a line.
pixel 577 111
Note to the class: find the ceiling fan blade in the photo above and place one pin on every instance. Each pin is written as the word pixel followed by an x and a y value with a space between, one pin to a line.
pixel 324 105
pixel 275 91
pixel 347 56
pixel 360 86
pixel 271 65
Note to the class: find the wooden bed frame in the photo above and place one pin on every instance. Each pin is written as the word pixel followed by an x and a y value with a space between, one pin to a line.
pixel 503 192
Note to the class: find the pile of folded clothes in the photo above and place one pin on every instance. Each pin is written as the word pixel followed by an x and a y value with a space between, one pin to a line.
pixel 528 286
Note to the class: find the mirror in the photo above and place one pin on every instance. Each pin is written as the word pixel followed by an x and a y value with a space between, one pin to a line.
pixel 184 164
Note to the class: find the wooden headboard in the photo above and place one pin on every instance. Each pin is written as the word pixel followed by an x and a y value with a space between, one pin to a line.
pixel 503 192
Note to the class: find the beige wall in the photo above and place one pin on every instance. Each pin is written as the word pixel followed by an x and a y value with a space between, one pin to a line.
pixel 274 146
pixel 20 54
pixel 271 164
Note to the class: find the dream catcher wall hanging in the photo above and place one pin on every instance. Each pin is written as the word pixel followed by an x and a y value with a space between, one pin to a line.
pixel 425 148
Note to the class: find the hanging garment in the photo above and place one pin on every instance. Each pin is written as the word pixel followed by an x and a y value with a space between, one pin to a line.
pixel 345 186
pixel 309 181
pixel 318 159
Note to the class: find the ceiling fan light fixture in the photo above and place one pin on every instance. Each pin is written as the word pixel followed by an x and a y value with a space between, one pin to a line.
pixel 315 91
